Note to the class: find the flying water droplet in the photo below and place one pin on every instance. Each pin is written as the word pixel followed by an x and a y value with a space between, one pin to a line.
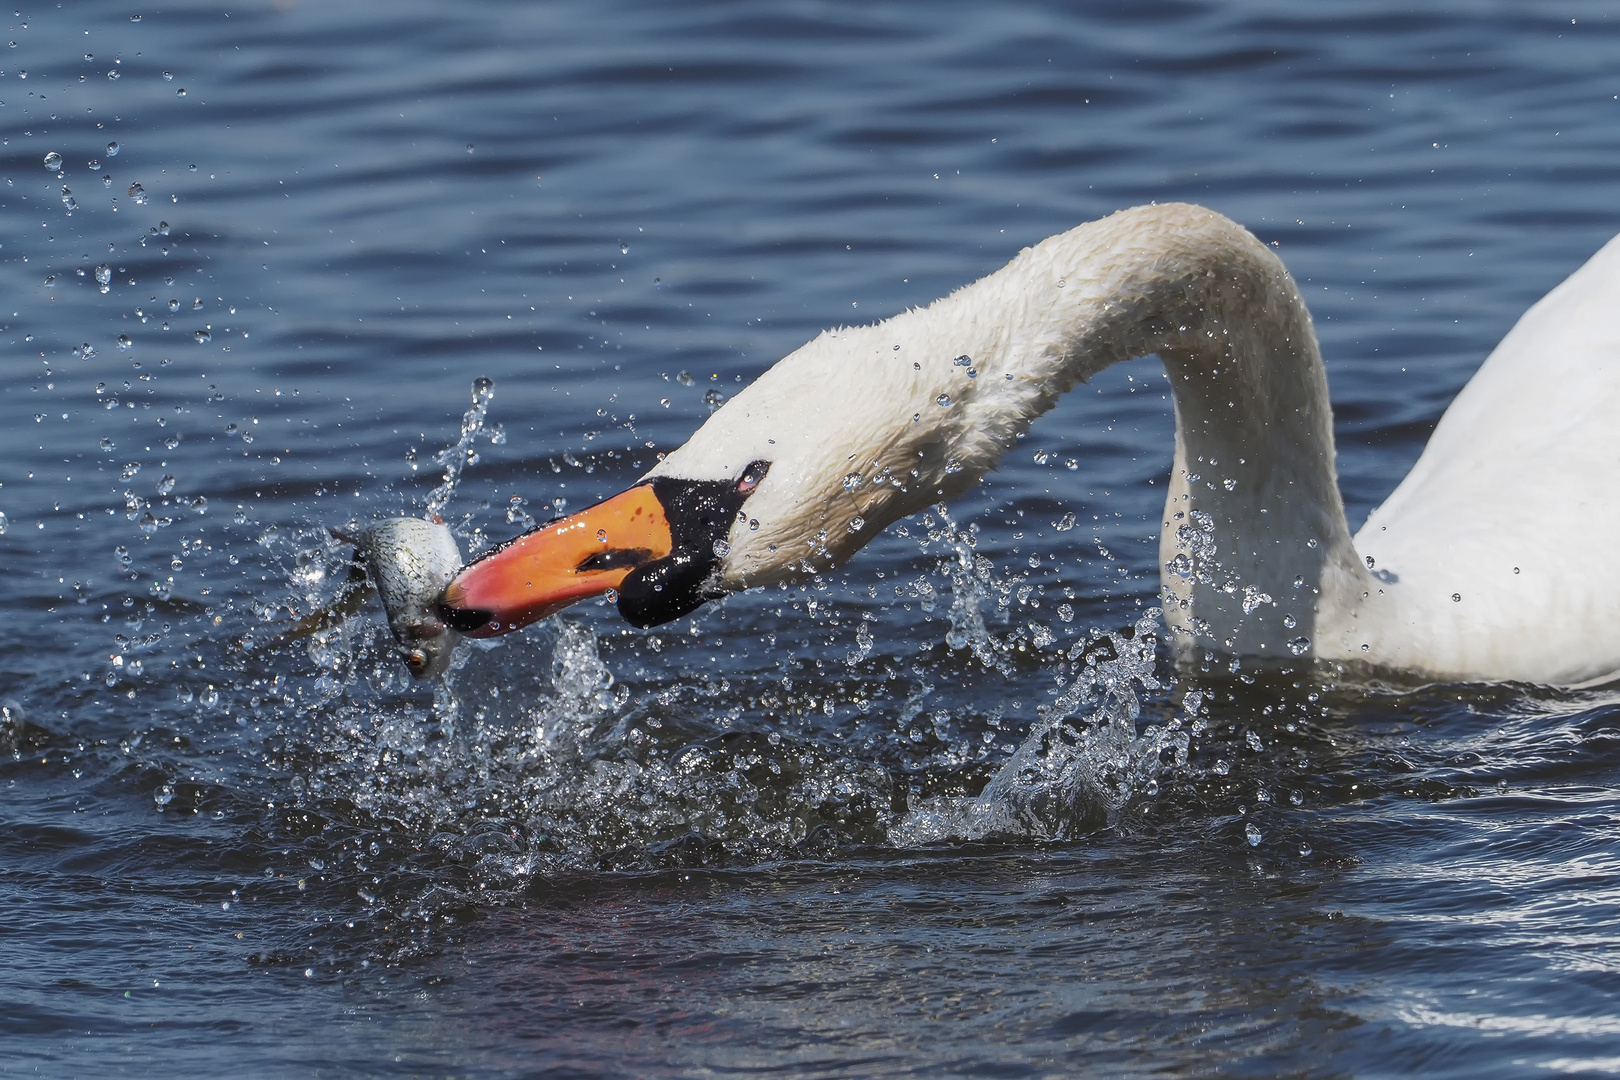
pixel 165 485
pixel 852 481
pixel 714 399
pixel 943 400
pixel 1064 523
pixel 202 337
pixel 174 305
pixel 721 549
pixel 53 161
pixel 138 193
pixel 112 149
pixel 1252 835
pixel 124 342
pixel 1299 646
pixel 164 795
pixel 685 379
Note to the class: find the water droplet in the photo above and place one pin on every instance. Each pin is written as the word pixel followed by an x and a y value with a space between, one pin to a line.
pixel 130 470
pixel 1064 523
pixel 963 361
pixel 107 444
pixel 134 18
pixel 171 441
pixel 196 305
pixel 943 400
pixel 624 249
pixel 53 161
pixel 1299 646
pixel 103 274
pixel 112 149
pixel 1254 741
pixel 113 74
pixel 200 505
pixel 164 795
pixel 753 524
pixel 1229 485
pixel 852 481
pixel 168 76
pixel 685 379
pixel 1456 598
pixel 857 524
pixel 165 485
pixel 1252 834
pixel 714 399
pixel 1304 849
pixel 4 524
pixel 138 193
pixel 202 337
pixel 122 554
pixel 721 549
pixel 124 342
pixel 174 305
pixel 1042 457
pixel 182 93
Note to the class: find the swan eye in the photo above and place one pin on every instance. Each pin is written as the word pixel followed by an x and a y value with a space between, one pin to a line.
pixel 751 477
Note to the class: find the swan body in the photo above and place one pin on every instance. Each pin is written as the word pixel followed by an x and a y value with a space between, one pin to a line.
pixel 1508 508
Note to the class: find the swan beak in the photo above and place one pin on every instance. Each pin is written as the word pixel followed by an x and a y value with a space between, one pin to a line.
pixel 542 572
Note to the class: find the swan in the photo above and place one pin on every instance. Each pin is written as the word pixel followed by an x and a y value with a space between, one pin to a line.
pixel 1491 561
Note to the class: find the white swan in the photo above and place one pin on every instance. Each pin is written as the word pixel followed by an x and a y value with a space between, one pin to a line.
pixel 1492 560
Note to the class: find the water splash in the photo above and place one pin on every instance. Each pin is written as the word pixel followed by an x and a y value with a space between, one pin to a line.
pixel 1081 763
pixel 463 452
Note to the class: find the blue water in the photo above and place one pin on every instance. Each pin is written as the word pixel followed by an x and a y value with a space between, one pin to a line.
pixel 685 852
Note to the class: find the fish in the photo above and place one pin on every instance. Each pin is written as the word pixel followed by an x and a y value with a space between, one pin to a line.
pixel 407 562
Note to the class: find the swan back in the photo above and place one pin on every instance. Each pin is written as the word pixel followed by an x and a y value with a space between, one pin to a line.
pixel 1502 538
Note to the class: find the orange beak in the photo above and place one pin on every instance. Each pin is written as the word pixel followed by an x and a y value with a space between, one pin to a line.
pixel 542 572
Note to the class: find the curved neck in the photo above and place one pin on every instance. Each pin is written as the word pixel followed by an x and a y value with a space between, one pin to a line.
pixel 1254 534
pixel 866 425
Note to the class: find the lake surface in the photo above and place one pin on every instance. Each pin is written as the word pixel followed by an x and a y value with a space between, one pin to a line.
pixel 250 302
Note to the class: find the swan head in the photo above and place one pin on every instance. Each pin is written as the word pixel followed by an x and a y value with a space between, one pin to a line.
pixel 790 477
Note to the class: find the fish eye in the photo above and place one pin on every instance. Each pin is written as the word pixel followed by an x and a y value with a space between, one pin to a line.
pixel 416 660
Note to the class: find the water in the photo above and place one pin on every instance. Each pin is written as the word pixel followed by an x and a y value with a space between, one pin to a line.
pixel 854 828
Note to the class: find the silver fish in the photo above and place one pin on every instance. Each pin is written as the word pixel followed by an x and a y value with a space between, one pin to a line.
pixel 407 562
pixel 411 561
